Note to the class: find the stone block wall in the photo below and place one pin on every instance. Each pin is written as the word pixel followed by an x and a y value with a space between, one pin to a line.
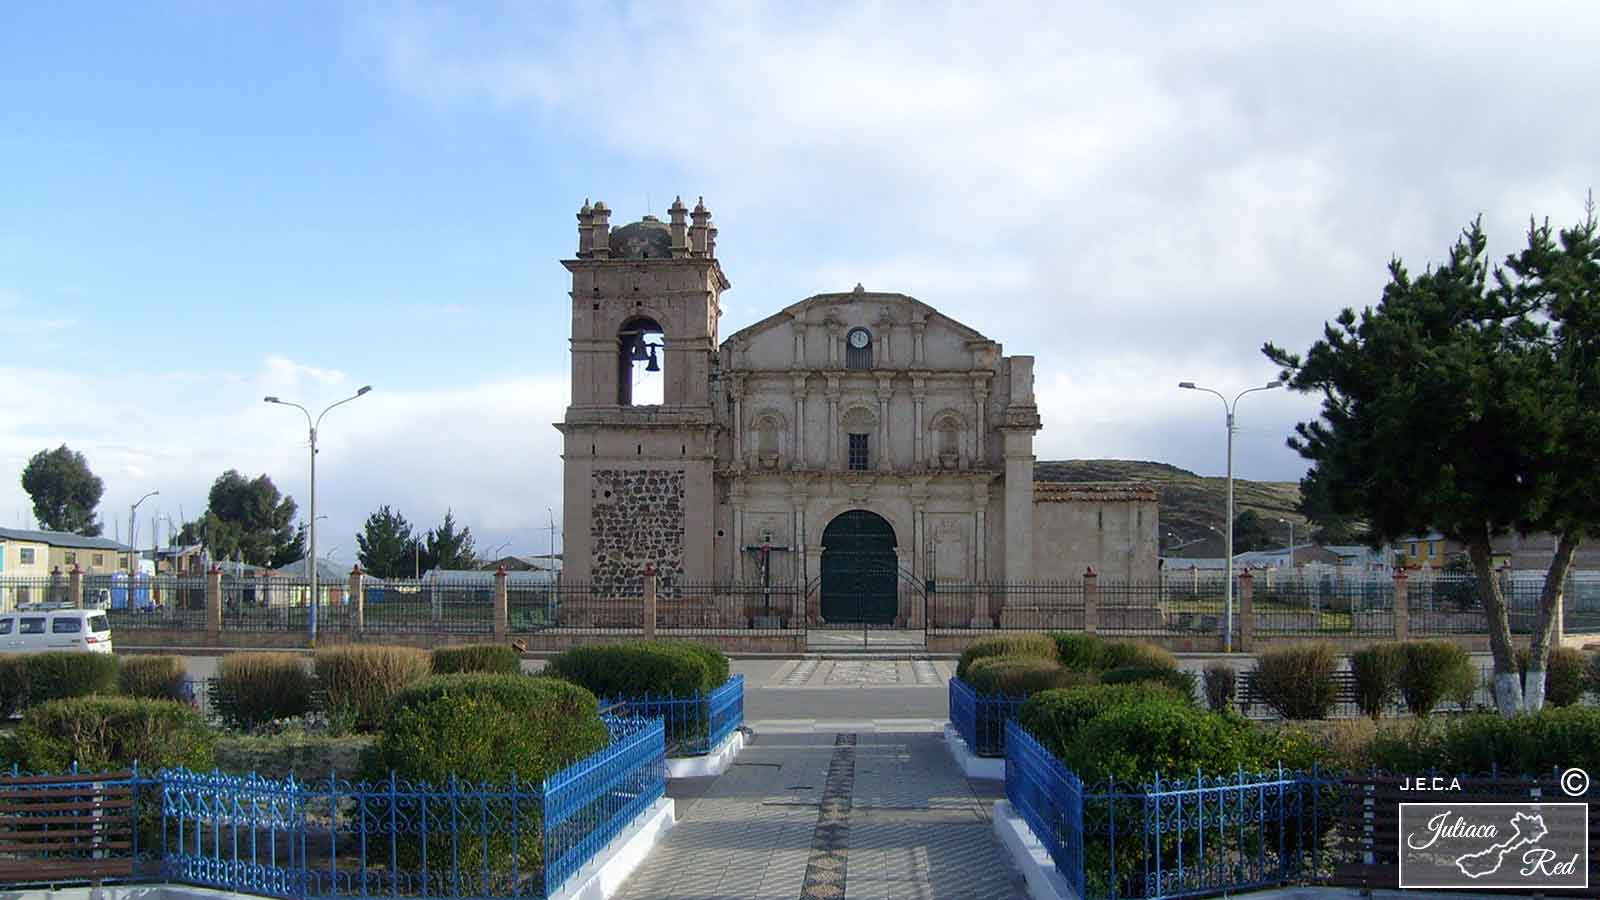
pixel 638 518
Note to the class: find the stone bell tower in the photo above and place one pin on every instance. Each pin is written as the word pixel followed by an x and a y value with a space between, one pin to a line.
pixel 638 478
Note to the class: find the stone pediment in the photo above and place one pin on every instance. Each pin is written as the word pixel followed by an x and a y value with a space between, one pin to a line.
pixel 904 320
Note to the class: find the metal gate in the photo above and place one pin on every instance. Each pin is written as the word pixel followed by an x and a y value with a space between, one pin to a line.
pixel 860 588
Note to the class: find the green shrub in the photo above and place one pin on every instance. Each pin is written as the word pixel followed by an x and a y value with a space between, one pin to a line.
pixel 1435 671
pixel 294 752
pixel 107 733
pixel 1592 679
pixel 13 683
pixel 1564 675
pixel 1297 682
pixel 1079 651
pixel 1376 672
pixel 60 674
pixel 1019 676
pixel 716 661
pixel 495 659
pixel 1054 717
pixel 358 680
pixel 1536 743
pixel 154 677
pixel 1133 742
pixel 1178 681
pixel 1220 682
pixel 1039 646
pixel 252 689
pixel 617 671
pixel 1123 654
pixel 486 728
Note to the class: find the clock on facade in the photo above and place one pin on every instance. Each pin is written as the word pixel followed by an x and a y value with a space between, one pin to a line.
pixel 859 337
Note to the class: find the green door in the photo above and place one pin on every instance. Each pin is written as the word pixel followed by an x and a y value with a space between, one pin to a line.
pixel 860 572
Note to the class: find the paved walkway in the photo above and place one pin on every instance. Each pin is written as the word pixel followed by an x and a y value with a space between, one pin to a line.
pixel 833 815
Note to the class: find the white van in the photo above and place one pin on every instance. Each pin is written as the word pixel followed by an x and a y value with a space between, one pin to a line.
pixel 35 629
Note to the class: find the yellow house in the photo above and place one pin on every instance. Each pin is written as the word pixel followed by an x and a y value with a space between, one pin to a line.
pixel 62 550
pixel 23 558
pixel 1422 551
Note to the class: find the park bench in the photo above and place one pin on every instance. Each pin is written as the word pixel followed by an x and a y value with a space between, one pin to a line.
pixel 65 828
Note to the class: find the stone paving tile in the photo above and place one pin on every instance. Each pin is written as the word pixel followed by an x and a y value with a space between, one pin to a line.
pixel 917 827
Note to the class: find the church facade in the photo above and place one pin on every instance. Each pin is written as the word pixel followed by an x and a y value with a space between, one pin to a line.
pixel 851 443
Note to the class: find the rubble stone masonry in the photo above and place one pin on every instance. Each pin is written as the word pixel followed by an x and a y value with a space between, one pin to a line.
pixel 638 518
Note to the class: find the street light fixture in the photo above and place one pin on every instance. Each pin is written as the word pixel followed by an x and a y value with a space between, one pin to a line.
pixel 311 557
pixel 1291 540
pixel 1229 408
pixel 133 566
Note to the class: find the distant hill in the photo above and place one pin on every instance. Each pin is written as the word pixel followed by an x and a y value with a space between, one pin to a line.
pixel 1190 502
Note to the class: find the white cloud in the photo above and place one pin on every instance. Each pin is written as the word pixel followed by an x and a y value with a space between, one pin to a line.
pixel 488 450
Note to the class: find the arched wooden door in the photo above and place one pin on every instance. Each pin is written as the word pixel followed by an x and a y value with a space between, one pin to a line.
pixel 860 571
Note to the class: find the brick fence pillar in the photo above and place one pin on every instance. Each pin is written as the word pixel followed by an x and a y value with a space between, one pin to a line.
pixel 358 599
pixel 1247 611
pixel 649 601
pixel 75 586
pixel 502 605
pixel 1402 606
pixel 214 604
pixel 1091 601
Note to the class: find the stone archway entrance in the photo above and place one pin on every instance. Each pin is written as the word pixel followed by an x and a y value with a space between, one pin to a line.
pixel 860 571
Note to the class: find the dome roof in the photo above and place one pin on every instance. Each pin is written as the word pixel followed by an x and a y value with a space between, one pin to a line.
pixel 647 238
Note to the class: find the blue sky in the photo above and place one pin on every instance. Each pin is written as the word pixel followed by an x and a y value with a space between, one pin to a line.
pixel 207 202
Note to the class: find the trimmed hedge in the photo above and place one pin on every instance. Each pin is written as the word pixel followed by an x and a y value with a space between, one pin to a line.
pixel 486 728
pixel 1020 676
pixel 1535 744
pixel 1178 681
pixel 1134 742
pixel 59 674
pixel 1376 671
pixel 1221 680
pixel 1565 675
pixel 252 689
pixel 717 662
pixel 358 680
pixel 1123 654
pixel 1038 646
pixel 495 659
pixel 1079 651
pixel 1433 672
pixel 1055 716
pixel 154 677
pixel 108 733
pixel 634 669
pixel 13 683
pixel 1297 682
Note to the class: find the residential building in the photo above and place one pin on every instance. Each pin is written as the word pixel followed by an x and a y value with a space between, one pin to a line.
pixel 63 550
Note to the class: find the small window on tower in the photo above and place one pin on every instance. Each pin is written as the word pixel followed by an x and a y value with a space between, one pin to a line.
pixel 858 349
pixel 859 456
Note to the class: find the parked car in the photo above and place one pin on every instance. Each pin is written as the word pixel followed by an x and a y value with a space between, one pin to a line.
pixel 37 628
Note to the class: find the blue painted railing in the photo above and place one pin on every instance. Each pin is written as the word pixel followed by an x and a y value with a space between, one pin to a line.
pixel 1049 798
pixel 981 719
pixel 1170 838
pixel 694 725
pixel 333 838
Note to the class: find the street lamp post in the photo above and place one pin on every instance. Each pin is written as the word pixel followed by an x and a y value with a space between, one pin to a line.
pixel 1227 633
pixel 133 566
pixel 1291 540
pixel 311 558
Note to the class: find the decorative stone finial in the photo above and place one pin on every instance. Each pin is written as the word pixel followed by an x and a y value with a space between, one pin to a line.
pixel 859 289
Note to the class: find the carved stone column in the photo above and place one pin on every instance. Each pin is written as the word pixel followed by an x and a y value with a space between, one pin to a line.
pixel 919 396
pixel 736 390
pixel 885 394
pixel 798 383
pixel 980 420
pixel 832 393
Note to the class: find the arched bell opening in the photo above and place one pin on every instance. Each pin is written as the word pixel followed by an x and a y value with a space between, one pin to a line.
pixel 641 362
